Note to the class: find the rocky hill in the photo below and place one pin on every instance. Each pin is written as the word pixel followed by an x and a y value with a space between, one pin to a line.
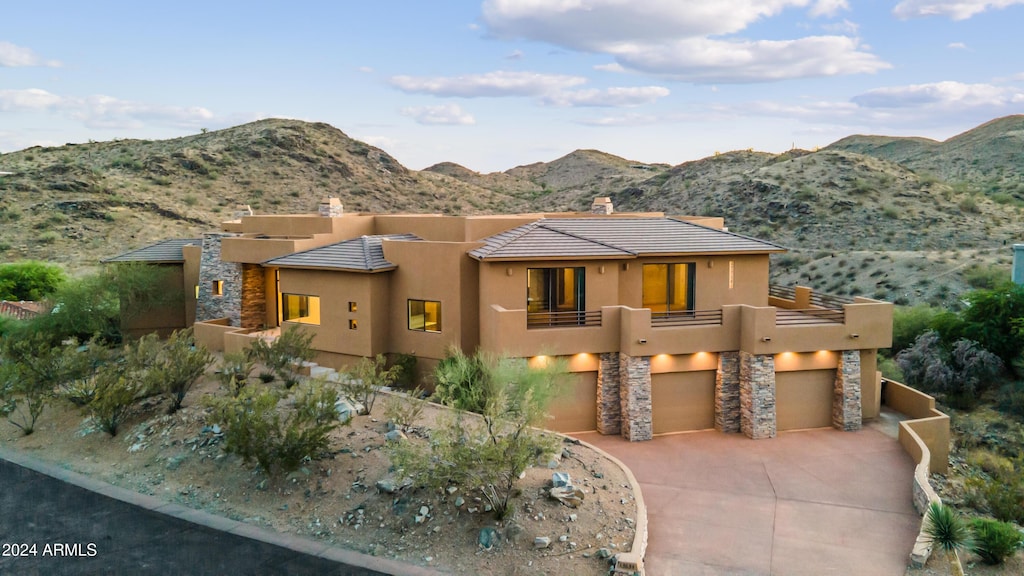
pixel 905 219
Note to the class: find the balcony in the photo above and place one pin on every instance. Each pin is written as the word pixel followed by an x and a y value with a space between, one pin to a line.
pixel 687 318
pixel 569 319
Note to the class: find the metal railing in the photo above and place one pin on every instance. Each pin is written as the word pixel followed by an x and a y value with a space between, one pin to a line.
pixel 830 301
pixel 785 317
pixel 569 319
pixel 687 318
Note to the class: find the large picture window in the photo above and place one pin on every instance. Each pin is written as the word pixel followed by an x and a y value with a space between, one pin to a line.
pixel 300 308
pixel 555 289
pixel 668 287
pixel 425 315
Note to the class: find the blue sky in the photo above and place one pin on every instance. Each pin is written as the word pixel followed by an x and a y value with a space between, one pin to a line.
pixel 497 83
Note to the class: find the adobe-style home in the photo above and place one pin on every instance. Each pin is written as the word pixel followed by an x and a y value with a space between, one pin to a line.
pixel 668 323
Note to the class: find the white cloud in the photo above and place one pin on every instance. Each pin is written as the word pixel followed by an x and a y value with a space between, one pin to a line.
pixel 957 45
pixel 12 56
pixel 609 97
pixel 515 55
pixel 948 95
pixel 99 111
pixel 693 40
pixel 499 83
pixel 828 7
pixel 846 27
pixel 445 114
pixel 722 61
pixel 610 67
pixel 953 9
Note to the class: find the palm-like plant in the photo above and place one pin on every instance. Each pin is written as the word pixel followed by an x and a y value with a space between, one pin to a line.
pixel 945 528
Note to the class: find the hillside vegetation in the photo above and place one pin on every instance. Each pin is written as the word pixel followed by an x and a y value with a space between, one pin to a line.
pixel 906 219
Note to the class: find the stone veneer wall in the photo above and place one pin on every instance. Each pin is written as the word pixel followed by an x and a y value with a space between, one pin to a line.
pixel 635 396
pixel 253 304
pixel 846 403
pixel 609 404
pixel 727 392
pixel 211 267
pixel 757 395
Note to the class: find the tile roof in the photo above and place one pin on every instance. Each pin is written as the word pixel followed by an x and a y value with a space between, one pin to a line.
pixel 614 237
pixel 163 251
pixel 365 254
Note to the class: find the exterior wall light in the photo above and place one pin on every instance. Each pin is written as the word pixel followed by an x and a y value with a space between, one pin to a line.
pixel 766 339
pixel 854 336
pixel 642 341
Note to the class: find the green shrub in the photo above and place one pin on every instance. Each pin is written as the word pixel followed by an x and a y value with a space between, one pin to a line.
pixel 31 369
pixel 29 280
pixel 1011 399
pixel 1004 495
pixel 986 277
pixel 48 237
pixel 234 372
pixel 969 204
pixel 910 322
pixel 458 381
pixel 178 366
pixel 366 378
pixel 256 430
pixel 995 541
pixel 285 353
pixel 114 395
pixel 405 410
pixel 407 370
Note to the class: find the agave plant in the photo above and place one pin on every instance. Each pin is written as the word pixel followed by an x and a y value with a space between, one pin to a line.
pixel 945 528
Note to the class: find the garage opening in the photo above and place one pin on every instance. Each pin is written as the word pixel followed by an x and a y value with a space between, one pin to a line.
pixel 682 401
pixel 804 399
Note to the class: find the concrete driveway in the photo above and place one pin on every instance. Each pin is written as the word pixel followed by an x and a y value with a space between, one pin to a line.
pixel 812 502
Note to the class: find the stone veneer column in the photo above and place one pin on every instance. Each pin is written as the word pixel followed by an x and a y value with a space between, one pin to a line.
pixel 635 396
pixel 846 404
pixel 757 395
pixel 211 267
pixel 727 392
pixel 609 405
pixel 253 303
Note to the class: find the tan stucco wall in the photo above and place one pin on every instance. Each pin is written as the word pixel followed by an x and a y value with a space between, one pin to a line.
pixel 336 290
pixel 575 407
pixel 435 271
pixel 190 280
pixel 870 384
pixel 711 279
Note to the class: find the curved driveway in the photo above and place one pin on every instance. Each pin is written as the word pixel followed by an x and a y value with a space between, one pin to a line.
pixel 814 502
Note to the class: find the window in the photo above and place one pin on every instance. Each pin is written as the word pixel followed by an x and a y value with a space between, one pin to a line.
pixel 353 325
pixel 299 308
pixel 352 307
pixel 732 274
pixel 668 287
pixel 555 289
pixel 217 287
pixel 425 315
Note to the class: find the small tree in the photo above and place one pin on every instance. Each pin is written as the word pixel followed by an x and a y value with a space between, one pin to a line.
pixel 944 528
pixel 285 353
pixel 459 381
pixel 114 396
pixel 29 280
pixel 30 372
pixel 366 378
pixel 489 452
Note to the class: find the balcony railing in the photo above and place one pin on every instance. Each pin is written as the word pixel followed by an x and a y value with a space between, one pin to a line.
pixel 830 301
pixel 569 319
pixel 687 318
pixel 810 316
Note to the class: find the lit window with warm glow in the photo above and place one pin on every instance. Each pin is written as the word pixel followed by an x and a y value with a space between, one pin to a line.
pixel 217 287
pixel 425 315
pixel 300 308
pixel 668 287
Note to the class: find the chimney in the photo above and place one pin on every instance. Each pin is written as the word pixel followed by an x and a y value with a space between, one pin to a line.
pixel 1018 263
pixel 602 205
pixel 331 208
pixel 245 210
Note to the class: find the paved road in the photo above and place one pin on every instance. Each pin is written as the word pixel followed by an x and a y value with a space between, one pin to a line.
pixel 115 537
pixel 814 502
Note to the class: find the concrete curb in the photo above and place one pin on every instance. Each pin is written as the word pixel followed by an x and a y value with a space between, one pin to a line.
pixel 291 542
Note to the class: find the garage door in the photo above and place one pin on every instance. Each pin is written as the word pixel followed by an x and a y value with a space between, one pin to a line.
pixel 575 408
pixel 804 399
pixel 683 401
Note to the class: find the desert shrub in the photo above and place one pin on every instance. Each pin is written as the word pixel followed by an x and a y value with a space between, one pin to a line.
pixel 995 541
pixel 285 353
pixel 405 410
pixel 458 381
pixel 990 463
pixel 407 370
pixel 178 365
pixel 31 369
pixel 113 398
pixel 986 277
pixel 961 374
pixel 79 383
pixel 1004 494
pixel 29 280
pixel 1011 399
pixel 366 378
pixel 234 372
pixel 256 430
pixel 946 530
pixel 488 452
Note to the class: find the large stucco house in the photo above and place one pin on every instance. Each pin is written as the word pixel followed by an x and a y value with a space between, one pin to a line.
pixel 668 323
